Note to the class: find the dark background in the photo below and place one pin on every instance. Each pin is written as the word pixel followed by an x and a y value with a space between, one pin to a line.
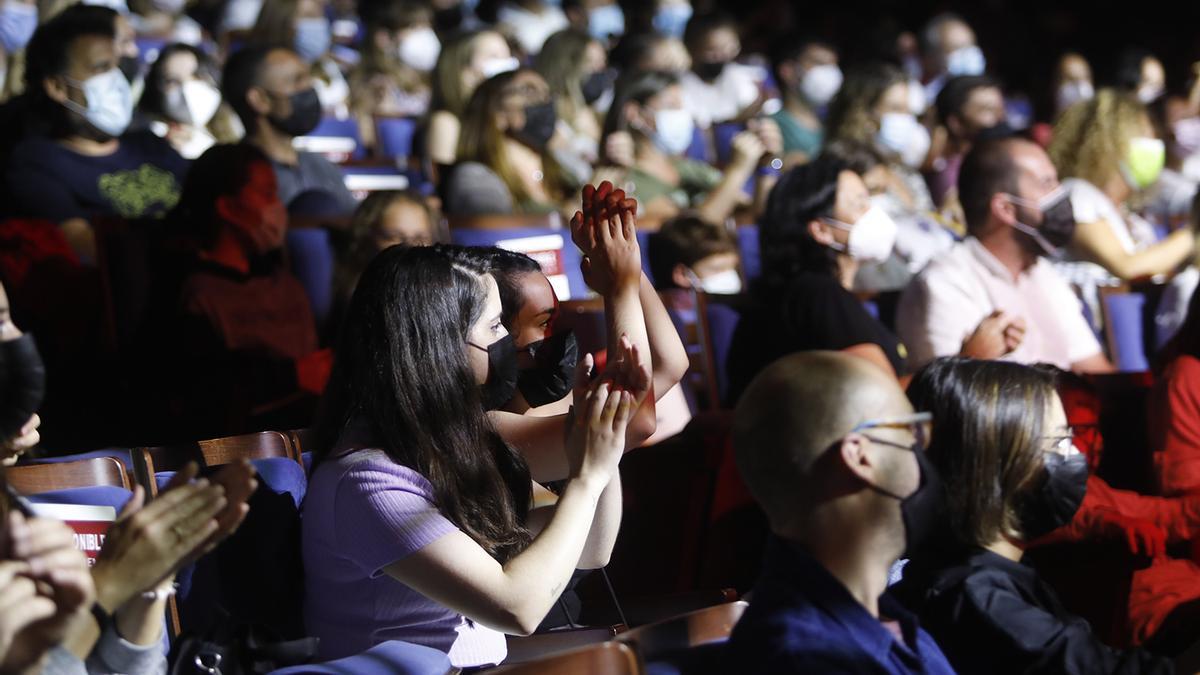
pixel 1022 39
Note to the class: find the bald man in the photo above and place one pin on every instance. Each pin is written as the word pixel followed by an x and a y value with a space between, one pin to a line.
pixel 831 449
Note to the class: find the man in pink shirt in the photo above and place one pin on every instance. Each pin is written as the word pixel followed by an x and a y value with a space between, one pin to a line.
pixel 995 296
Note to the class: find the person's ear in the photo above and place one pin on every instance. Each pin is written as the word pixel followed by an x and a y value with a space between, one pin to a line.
pixel 955 126
pixel 821 232
pixel 258 100
pixel 55 88
pixel 1002 208
pixel 853 449
pixel 680 276
pixel 227 210
pixel 634 118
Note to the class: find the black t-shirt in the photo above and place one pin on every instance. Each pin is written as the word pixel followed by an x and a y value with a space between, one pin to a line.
pixel 813 312
pixel 142 179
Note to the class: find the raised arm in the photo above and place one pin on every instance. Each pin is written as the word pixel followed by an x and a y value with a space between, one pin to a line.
pixel 515 596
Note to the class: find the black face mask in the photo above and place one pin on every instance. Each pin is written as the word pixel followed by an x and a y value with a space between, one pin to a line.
pixel 306 114
pixel 130 67
pixel 501 381
pixel 1053 503
pixel 540 119
pixel 593 86
pixel 22 384
pixel 709 71
pixel 1058 222
pixel 554 373
pixel 922 510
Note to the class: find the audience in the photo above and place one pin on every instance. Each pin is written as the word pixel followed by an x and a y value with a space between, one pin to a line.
pixel 1072 82
pixel 505 164
pixel 835 455
pixel 1107 152
pixel 818 228
pixel 302 26
pixel 649 107
pixel 809 78
pixel 244 323
pixel 967 107
pixel 417 523
pixel 272 93
pixel 466 60
pixel 86 166
pixel 948 49
pixel 182 258
pixel 1010 474
pixel 717 88
pixel 181 101
pixel 575 67
pixel 995 295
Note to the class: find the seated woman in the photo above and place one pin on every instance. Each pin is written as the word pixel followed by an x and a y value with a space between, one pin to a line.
pixel 1010 474
pixel 182 104
pixel 575 66
pixel 505 164
pixel 242 324
pixel 466 60
pixel 417 524
pixel 819 227
pixel 385 218
pixel 1106 151
pixel 392 79
pixel 871 111
pixel 649 107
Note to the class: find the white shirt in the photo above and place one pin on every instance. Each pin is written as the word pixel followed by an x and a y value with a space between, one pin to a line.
pixel 723 99
pixel 1132 231
pixel 532 28
pixel 945 303
pixel 1172 308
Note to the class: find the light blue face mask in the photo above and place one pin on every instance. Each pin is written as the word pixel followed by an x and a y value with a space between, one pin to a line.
pixel 18 21
pixel 670 20
pixel 606 21
pixel 313 38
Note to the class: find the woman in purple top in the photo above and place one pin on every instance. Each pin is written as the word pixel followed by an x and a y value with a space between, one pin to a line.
pixel 417 524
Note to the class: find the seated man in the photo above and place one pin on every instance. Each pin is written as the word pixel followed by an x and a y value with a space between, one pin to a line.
pixel 832 451
pixel 271 90
pixel 968 107
pixel 86 165
pixel 995 292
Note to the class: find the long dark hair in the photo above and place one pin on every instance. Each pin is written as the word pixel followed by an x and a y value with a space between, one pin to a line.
pixel 802 194
pixel 153 100
pixel 401 368
pixel 221 171
pixel 987 421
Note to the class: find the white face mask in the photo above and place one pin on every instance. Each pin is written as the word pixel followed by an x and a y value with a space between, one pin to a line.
pixel 916 98
pixel 420 50
pixel 241 14
pixel 493 67
pixel 821 84
pixel 1147 93
pixel 722 283
pixel 966 61
pixel 673 130
pixel 196 103
pixel 871 237
pixel 109 101
pixel 1073 92
pixel 902 134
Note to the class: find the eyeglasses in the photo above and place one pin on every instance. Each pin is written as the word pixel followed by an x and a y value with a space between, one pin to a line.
pixel 919 424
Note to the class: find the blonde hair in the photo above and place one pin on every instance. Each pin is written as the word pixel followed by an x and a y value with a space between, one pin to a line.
pixel 561 63
pixel 1091 138
pixel 852 112
pixel 449 92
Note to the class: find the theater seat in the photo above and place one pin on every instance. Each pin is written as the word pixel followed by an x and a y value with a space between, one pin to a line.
pixel 1123 323
pixel 609 658
pixel 701 627
pixel 747 236
pixel 395 136
pixel 551 248
pixel 387 658
pixel 708 659
pixel 337 139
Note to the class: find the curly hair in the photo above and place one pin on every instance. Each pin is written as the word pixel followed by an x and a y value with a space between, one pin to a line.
pixel 1092 137
pixel 852 113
